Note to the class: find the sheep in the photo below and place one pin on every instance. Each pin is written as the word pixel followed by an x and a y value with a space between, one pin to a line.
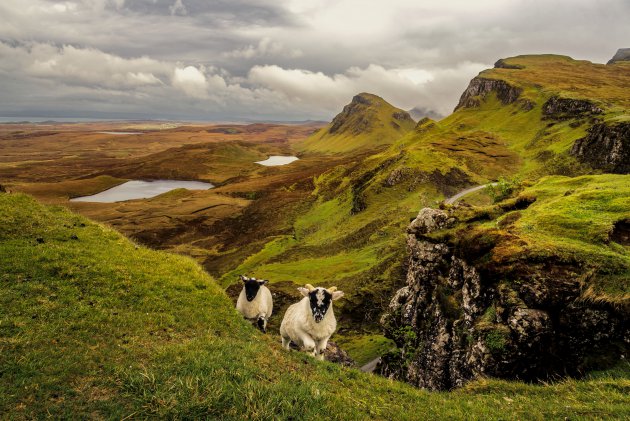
pixel 310 322
pixel 255 302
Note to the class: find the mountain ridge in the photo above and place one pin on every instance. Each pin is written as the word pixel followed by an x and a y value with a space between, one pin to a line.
pixel 368 121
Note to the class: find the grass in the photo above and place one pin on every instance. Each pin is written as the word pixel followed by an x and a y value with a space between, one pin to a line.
pixel 481 144
pixel 569 222
pixel 364 348
pixel 93 326
pixel 574 217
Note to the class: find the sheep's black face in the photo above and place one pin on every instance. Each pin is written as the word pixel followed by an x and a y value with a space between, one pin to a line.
pixel 320 300
pixel 251 286
pixel 251 289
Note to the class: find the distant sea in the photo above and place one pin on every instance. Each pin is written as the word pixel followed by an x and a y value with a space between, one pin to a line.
pixel 53 119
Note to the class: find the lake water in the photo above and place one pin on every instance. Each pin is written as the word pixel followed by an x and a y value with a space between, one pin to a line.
pixel 272 161
pixel 137 189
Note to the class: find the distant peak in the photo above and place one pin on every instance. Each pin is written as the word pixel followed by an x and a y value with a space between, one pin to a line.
pixel 367 99
pixel 368 112
pixel 622 54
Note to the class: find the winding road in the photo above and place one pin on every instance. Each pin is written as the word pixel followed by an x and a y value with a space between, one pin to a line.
pixel 453 199
pixel 370 366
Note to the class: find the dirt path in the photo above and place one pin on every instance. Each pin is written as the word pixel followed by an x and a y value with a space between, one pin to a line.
pixel 453 199
pixel 369 367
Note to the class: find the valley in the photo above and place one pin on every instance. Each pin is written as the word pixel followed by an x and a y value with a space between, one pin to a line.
pixel 466 247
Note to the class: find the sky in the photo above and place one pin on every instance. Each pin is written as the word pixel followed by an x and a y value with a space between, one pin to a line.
pixel 234 60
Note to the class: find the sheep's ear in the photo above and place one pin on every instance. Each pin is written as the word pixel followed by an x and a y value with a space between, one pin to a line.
pixel 244 278
pixel 337 295
pixel 303 291
pixel 263 282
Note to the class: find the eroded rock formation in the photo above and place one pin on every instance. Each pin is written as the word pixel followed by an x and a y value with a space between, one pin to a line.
pixel 623 54
pixel 606 147
pixel 459 317
pixel 480 87
pixel 558 108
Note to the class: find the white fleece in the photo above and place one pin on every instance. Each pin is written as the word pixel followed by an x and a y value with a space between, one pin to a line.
pixel 260 307
pixel 298 325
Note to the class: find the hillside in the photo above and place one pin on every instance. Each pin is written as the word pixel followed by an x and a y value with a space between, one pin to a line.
pixel 519 120
pixel 533 287
pixel 93 326
pixel 367 122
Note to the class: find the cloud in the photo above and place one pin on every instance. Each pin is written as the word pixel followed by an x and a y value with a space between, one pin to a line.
pixel 404 87
pixel 82 66
pixel 191 81
pixel 278 58
pixel 266 48
pixel 178 8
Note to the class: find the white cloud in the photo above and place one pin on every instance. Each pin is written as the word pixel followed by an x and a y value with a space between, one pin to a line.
pixel 404 88
pixel 84 66
pixel 191 81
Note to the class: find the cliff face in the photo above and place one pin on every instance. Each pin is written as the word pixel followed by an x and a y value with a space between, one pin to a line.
pixel 606 147
pixel 480 87
pixel 558 108
pixel 623 54
pixel 458 318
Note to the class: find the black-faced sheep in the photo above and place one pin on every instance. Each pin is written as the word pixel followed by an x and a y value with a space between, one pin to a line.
pixel 310 322
pixel 255 302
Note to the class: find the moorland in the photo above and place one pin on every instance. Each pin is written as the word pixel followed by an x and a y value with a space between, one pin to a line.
pixel 538 262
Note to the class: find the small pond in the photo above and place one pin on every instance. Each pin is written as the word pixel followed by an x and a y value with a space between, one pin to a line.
pixel 274 160
pixel 137 189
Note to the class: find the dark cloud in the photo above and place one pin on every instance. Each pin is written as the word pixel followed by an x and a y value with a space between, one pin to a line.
pixel 276 59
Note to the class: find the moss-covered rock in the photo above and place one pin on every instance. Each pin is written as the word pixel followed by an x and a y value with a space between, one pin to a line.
pixel 481 300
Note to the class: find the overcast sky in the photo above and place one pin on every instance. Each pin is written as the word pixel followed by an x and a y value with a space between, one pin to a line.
pixel 276 59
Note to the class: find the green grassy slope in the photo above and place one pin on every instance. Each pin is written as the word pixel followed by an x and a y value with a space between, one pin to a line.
pixel 561 220
pixel 93 326
pixel 354 233
pixel 367 122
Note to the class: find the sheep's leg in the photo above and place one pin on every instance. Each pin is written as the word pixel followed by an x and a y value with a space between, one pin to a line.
pixel 308 345
pixel 262 324
pixel 320 348
pixel 286 342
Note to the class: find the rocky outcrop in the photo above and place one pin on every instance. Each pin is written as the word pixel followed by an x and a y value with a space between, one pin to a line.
pixel 501 64
pixel 359 105
pixel 335 354
pixel 459 318
pixel 402 116
pixel 606 147
pixel 480 87
pixel 424 125
pixel 558 108
pixel 623 54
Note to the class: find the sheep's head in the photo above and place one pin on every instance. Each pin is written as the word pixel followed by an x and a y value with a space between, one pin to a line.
pixel 320 299
pixel 252 285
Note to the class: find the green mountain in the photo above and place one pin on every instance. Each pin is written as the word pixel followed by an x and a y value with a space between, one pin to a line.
pixel 367 122
pixel 520 121
pixel 93 326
